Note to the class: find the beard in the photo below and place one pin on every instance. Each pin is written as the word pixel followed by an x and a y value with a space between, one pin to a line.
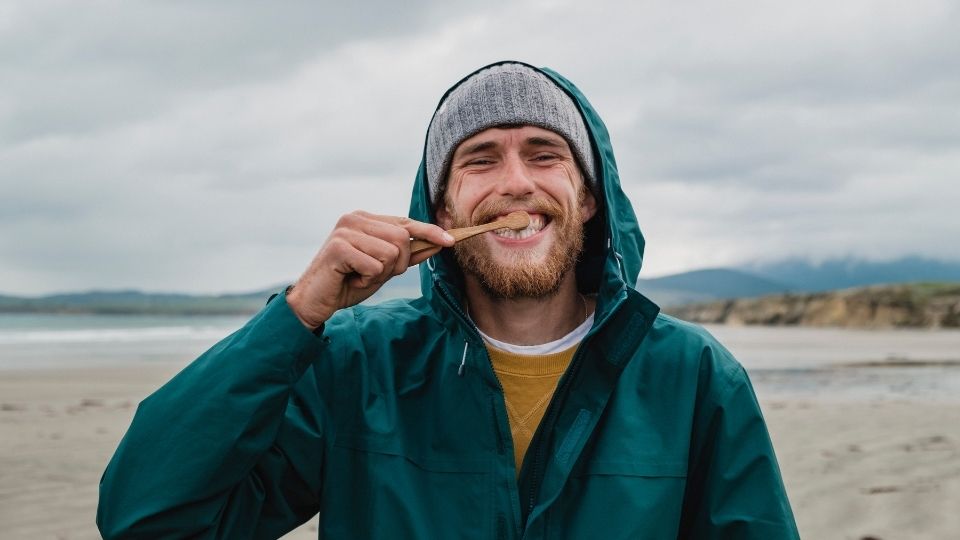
pixel 523 272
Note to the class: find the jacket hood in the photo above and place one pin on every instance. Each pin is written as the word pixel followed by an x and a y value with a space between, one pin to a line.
pixel 613 244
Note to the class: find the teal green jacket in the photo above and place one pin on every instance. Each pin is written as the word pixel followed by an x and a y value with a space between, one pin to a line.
pixel 393 425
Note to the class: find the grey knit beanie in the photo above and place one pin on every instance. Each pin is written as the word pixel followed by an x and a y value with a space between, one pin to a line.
pixel 503 94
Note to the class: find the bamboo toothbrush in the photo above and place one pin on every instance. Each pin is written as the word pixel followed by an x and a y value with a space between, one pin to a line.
pixel 514 220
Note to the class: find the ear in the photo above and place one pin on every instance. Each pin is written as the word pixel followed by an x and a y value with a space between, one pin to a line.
pixel 588 206
pixel 444 219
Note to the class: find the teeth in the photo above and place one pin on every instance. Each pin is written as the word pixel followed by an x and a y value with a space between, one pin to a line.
pixel 537 223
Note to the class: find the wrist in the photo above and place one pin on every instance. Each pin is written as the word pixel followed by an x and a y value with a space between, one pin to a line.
pixel 292 300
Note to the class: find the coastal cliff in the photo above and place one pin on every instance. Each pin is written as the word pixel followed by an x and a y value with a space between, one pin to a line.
pixel 917 305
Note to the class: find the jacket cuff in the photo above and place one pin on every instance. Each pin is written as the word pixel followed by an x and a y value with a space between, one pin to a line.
pixel 285 327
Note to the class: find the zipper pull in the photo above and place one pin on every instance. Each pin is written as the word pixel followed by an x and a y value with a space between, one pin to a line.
pixel 463 361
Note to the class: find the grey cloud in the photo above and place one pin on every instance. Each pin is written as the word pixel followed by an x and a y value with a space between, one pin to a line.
pixel 71 69
pixel 784 97
pixel 211 146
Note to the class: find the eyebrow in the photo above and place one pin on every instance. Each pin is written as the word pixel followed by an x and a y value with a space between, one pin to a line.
pixel 477 147
pixel 487 145
pixel 544 141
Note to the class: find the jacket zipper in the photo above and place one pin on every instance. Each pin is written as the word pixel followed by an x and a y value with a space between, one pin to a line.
pixel 538 445
pixel 546 426
pixel 466 319
pixel 501 520
pixel 442 289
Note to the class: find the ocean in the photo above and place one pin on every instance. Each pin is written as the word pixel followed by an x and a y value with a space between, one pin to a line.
pixel 819 363
pixel 48 341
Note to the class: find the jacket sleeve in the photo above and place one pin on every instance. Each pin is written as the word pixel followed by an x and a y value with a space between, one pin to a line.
pixel 734 488
pixel 231 447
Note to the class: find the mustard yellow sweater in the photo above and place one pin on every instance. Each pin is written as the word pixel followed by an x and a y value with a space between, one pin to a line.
pixel 528 384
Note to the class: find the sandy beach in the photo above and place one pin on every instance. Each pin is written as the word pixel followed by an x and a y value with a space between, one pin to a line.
pixel 882 469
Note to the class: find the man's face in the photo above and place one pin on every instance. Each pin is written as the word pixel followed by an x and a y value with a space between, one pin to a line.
pixel 501 170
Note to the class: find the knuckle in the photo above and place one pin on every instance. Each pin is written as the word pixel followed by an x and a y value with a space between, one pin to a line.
pixel 353 217
pixel 338 244
pixel 399 234
pixel 394 251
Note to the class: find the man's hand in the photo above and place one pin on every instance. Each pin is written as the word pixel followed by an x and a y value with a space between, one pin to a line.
pixel 360 255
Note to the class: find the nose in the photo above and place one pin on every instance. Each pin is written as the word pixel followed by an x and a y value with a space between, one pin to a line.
pixel 516 180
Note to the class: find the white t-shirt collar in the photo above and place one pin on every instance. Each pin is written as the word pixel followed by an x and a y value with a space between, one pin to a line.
pixel 562 344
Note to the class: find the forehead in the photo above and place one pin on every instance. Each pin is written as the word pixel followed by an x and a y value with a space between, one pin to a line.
pixel 504 136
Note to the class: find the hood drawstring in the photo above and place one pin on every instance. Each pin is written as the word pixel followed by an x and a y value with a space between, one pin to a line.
pixel 466 344
pixel 619 259
pixel 463 361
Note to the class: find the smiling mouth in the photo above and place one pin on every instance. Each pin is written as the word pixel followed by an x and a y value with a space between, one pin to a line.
pixel 537 223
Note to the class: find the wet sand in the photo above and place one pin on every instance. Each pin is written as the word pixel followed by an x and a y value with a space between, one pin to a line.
pixel 879 468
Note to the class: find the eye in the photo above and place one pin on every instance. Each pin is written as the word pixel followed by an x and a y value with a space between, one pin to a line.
pixel 544 157
pixel 479 161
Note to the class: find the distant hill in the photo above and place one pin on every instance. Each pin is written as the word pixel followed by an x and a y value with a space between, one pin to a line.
pixel 706 285
pixel 916 305
pixel 792 275
pixel 842 273
pixel 133 302
pixel 695 287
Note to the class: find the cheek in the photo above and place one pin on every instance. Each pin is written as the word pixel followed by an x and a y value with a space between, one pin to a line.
pixel 564 188
pixel 469 196
pixel 576 178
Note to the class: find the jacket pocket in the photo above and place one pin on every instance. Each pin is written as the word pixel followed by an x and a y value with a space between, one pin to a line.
pixel 393 445
pixel 621 499
pixel 389 490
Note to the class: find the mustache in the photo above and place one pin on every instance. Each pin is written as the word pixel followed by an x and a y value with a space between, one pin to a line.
pixel 488 211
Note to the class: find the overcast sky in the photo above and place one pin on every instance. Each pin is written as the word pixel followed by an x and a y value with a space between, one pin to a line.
pixel 210 146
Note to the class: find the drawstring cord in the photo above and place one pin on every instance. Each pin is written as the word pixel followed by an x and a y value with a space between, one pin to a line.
pixel 466 344
pixel 463 361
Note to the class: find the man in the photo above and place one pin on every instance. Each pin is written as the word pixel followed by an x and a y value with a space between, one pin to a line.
pixel 530 393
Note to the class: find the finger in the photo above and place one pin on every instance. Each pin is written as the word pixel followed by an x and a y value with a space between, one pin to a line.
pixel 396 235
pixel 386 252
pixel 402 262
pixel 419 229
pixel 362 269
pixel 398 230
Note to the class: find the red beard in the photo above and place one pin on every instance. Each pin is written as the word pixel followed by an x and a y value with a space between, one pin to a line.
pixel 522 276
